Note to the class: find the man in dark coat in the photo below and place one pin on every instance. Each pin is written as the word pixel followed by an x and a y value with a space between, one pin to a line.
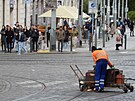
pixel 35 36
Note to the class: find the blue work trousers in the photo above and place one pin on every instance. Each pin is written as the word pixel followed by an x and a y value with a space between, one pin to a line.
pixel 100 73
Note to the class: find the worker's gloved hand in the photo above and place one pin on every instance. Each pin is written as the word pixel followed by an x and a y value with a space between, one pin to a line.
pixel 94 65
pixel 112 67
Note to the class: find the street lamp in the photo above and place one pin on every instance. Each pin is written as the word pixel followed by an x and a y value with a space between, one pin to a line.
pixel 115 14
pixel 118 8
pixel 122 10
pixel 126 9
pixel 25 12
pixel 103 21
pixel 80 10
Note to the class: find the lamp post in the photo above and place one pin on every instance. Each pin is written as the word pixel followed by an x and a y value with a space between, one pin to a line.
pixel 25 12
pixel 53 31
pixel 122 10
pixel 96 23
pixel 126 9
pixel 80 20
pixel 115 14
pixel 103 22
pixel 118 8
pixel 108 12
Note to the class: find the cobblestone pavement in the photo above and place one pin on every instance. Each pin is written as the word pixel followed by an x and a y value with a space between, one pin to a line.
pixel 48 77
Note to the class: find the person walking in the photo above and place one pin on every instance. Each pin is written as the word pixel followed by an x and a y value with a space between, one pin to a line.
pixel 101 60
pixel 21 41
pixel 66 38
pixel 3 38
pixel 60 38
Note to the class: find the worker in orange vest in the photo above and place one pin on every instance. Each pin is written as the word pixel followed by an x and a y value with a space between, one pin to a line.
pixel 101 60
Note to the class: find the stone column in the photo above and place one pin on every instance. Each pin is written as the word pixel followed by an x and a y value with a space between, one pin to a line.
pixel 1 15
pixel 7 13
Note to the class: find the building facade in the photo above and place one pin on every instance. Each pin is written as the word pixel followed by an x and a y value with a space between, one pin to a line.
pixel 13 11
pixel 38 7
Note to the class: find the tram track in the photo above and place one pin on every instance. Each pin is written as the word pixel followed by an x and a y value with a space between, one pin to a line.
pixel 115 93
pixel 29 95
pixel 5 85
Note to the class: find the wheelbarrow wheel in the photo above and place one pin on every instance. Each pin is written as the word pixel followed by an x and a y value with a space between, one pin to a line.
pixel 125 89
pixel 83 87
pixel 131 88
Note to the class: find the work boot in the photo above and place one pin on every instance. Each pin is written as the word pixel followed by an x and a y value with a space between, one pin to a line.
pixel 101 90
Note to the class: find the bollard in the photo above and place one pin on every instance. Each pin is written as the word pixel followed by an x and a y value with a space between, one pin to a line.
pixel 89 43
pixel 125 46
pixel 71 44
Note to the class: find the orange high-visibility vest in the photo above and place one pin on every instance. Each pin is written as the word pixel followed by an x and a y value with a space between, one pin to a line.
pixel 100 54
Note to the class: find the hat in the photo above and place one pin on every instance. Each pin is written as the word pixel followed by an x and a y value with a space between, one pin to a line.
pixel 94 48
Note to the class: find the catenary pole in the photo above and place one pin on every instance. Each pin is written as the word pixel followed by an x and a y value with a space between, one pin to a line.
pixel 103 19
pixel 80 20
pixel 115 14
pixel 122 10
pixel 126 9
pixel 119 8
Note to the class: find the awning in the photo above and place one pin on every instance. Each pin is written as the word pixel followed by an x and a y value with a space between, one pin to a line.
pixel 65 12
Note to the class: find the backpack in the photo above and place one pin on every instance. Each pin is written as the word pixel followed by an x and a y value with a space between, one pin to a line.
pixel 34 34
pixel 22 37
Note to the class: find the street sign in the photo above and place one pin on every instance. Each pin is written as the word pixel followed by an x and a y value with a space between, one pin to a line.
pixel 92 6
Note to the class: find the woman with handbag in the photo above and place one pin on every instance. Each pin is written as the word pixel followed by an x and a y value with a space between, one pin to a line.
pixel 118 38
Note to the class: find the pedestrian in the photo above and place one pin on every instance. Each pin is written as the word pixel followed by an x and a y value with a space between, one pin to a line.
pixel 35 36
pixel 3 38
pixel 75 34
pixel 66 38
pixel 88 27
pixel 9 37
pixel 101 60
pixel 107 29
pixel 112 30
pixel 131 26
pixel 122 33
pixel 21 41
pixel 118 38
pixel 31 38
pixel 48 31
pixel 26 32
pixel 16 33
pixel 60 38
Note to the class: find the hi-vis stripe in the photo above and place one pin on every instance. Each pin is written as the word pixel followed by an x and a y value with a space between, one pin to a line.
pixel 96 81
pixel 102 80
pixel 96 84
